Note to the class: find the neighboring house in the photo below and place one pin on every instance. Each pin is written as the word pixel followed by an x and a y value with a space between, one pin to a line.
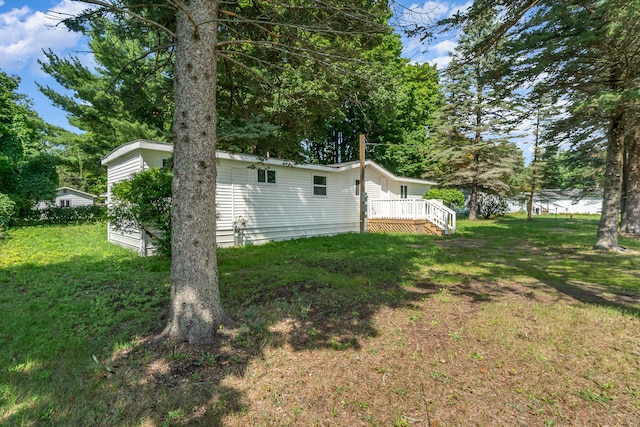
pixel 67 197
pixel 560 202
pixel 260 200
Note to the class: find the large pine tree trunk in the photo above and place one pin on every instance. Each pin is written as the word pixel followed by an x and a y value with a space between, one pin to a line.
pixel 196 310
pixel 631 212
pixel 473 201
pixel 473 198
pixel 609 220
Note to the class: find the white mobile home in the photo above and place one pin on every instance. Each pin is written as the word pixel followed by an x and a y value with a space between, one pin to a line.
pixel 260 200
pixel 67 197
pixel 560 202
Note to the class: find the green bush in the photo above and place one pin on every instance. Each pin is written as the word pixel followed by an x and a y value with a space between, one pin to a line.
pixel 490 205
pixel 450 197
pixel 56 215
pixel 143 202
pixel 6 211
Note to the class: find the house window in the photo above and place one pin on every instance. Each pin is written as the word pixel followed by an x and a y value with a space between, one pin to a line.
pixel 404 191
pixel 357 187
pixel 65 203
pixel 266 176
pixel 319 185
pixel 166 163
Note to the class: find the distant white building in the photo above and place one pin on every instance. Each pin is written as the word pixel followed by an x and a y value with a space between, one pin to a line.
pixel 67 197
pixel 560 202
pixel 260 200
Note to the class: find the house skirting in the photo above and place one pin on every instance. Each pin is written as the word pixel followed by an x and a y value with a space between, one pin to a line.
pixel 412 226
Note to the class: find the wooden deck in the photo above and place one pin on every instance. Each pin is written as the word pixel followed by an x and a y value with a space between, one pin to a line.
pixel 418 216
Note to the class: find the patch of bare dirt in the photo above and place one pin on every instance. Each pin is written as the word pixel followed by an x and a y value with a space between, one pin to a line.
pixel 460 243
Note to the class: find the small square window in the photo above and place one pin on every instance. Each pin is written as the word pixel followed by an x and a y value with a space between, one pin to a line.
pixel 266 176
pixel 319 185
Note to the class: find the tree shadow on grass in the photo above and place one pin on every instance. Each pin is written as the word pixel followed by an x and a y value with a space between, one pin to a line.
pixel 89 355
pixel 545 255
pixel 79 349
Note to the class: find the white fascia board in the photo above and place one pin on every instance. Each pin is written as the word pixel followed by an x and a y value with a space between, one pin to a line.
pixel 136 145
pixel 383 171
pixel 249 158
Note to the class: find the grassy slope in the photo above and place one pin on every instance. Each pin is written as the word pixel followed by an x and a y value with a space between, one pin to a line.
pixel 487 310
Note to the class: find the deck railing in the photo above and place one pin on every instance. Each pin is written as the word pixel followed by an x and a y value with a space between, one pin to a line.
pixel 413 209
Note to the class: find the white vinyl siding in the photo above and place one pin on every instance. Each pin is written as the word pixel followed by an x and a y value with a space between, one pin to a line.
pixel 72 199
pixel 119 170
pixel 253 212
pixel 282 211
pixel 375 185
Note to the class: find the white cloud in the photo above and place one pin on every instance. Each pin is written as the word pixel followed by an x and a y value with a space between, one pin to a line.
pixel 24 33
pixel 431 9
pixel 444 47
pixel 440 61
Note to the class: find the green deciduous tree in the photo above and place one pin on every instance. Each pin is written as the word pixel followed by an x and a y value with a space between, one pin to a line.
pixel 27 168
pixel 6 212
pixel 450 197
pixel 390 100
pixel 143 202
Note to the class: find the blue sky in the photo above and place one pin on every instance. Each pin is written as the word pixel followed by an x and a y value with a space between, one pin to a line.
pixel 29 26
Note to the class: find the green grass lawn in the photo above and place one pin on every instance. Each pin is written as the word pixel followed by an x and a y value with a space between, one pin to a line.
pixel 67 295
pixel 76 310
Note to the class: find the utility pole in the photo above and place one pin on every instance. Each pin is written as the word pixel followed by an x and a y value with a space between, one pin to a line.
pixel 363 203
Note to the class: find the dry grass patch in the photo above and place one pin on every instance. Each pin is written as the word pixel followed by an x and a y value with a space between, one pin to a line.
pixel 445 360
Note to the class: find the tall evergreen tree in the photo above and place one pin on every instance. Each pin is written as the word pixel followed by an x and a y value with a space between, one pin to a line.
pixel 630 223
pixel 585 53
pixel 475 124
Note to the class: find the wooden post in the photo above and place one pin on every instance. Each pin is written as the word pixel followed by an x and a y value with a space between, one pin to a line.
pixel 362 187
